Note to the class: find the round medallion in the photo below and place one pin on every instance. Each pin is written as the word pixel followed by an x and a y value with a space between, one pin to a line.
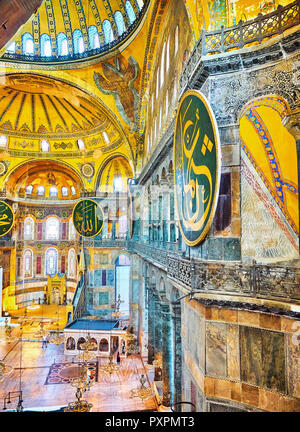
pixel 88 218
pixel 197 163
pixel 7 218
pixel 87 170
pixel 3 168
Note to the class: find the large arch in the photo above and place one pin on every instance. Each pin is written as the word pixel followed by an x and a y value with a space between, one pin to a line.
pixel 269 181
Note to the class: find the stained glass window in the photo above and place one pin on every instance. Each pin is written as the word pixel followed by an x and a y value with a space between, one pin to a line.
pixel 72 263
pixel 78 43
pixel 11 47
pixel 44 146
pixel 52 229
pixel 28 228
pixel 53 191
pixel 62 44
pixel 130 11
pixel 108 31
pixel 29 189
pixel 40 190
pixel 28 263
pixel 46 49
pixel 120 23
pixel 27 44
pixel 3 141
pixel 94 39
pixel 51 261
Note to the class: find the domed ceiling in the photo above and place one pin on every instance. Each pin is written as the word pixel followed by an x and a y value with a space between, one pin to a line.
pixel 68 30
pixel 34 108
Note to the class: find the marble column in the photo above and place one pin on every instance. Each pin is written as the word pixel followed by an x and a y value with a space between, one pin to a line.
pixel 176 317
pixel 158 334
pixel 167 354
pixel 151 323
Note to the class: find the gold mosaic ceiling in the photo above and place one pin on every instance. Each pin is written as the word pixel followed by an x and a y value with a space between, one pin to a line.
pixel 75 23
pixel 38 107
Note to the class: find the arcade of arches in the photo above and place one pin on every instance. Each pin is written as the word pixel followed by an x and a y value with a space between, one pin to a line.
pixel 89 94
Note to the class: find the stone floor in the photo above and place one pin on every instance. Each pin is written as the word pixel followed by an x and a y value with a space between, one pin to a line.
pixel 109 394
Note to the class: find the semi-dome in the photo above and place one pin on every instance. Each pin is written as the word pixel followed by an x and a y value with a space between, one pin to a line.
pixel 63 31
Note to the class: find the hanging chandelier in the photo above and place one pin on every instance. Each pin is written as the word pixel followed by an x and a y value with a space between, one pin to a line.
pixel 116 305
pixel 79 405
pixel 87 349
pixel 8 335
pixel 142 392
pixel 84 382
pixel 110 367
pixel 131 346
pixel 41 331
pixel 57 338
pixel 6 371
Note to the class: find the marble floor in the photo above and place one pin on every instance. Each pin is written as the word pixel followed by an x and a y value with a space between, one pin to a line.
pixel 108 394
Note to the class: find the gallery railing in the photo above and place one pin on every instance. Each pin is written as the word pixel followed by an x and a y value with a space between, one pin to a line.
pixel 240 36
pixel 250 32
pixel 256 280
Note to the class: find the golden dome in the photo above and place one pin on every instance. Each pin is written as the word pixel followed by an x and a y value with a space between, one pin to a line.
pixel 34 108
pixel 64 30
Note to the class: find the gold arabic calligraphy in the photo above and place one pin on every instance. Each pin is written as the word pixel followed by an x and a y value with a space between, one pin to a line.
pixel 193 220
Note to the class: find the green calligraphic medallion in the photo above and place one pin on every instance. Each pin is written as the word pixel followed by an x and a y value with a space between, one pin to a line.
pixel 7 218
pixel 88 218
pixel 197 161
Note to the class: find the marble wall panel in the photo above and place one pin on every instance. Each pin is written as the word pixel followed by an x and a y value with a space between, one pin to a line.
pixel 233 352
pixel 293 365
pixel 262 358
pixel 216 349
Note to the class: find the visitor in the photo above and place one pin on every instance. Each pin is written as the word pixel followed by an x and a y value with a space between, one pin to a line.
pixel 44 342
pixel 118 358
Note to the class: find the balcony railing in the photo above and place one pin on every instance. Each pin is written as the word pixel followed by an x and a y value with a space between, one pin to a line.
pixel 257 280
pixel 250 32
pixel 244 34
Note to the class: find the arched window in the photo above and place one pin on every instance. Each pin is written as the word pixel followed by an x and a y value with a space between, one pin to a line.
pixel 51 261
pixel 162 68
pixel 81 144
pixel 72 263
pixel 53 191
pixel 3 141
pixel 46 50
pixel 167 104
pixel 81 340
pixel 64 191
pixel 130 11
pixel 28 228
pixel 119 20
pixel 118 184
pixel 108 31
pixel 70 344
pixel 168 56
pixel 78 42
pixel 73 190
pixel 176 40
pixel 52 228
pixel 44 146
pixel 11 47
pixel 62 44
pixel 72 231
pixel 103 345
pixel 105 137
pixel 27 262
pixel 27 44
pixel 94 39
pixel 41 190
pixel 29 189
pixel 140 4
